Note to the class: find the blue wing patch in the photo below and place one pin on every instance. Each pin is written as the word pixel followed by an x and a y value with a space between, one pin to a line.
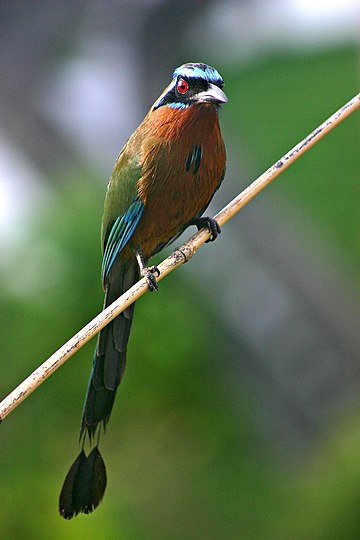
pixel 120 233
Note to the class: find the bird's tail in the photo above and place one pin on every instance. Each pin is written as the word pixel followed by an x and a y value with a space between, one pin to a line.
pixel 85 483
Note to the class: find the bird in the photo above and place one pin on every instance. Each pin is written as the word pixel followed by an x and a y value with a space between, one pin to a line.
pixel 163 180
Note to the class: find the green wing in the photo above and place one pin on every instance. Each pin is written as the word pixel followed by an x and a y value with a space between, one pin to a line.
pixel 123 208
pixel 120 233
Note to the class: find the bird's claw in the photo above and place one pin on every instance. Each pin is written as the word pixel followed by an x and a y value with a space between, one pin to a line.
pixel 214 228
pixel 210 223
pixel 149 275
pixel 155 270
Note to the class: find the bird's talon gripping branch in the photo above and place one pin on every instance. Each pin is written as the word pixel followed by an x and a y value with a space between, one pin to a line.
pixel 150 274
pixel 209 223
pixel 150 279
pixel 155 270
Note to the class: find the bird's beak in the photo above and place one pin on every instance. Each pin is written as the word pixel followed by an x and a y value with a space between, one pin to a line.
pixel 213 94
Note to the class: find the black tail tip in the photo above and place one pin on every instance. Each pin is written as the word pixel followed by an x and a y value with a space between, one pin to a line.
pixel 84 485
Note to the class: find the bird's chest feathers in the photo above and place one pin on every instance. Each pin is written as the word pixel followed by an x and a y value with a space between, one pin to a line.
pixel 183 161
pixel 184 157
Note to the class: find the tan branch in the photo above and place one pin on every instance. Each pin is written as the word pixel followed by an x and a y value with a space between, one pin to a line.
pixel 178 257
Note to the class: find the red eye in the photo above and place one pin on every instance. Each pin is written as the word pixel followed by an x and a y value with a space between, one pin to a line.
pixel 182 86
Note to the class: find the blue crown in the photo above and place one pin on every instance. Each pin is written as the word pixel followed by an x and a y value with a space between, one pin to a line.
pixel 199 71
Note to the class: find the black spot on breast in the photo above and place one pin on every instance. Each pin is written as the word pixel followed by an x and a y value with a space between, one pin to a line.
pixel 198 156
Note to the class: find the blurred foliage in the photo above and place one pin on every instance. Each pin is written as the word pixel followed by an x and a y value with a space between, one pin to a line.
pixel 183 459
pixel 283 99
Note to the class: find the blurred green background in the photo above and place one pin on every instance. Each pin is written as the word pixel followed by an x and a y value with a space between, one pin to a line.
pixel 238 416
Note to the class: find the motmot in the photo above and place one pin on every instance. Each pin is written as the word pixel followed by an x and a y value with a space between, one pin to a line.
pixel 163 180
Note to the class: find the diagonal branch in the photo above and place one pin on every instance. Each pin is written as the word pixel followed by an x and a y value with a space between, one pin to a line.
pixel 178 257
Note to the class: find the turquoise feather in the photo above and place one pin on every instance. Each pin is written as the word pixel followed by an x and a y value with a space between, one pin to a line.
pixel 120 233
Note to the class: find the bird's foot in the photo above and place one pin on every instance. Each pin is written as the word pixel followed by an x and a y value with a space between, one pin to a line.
pixel 155 270
pixel 209 223
pixel 150 274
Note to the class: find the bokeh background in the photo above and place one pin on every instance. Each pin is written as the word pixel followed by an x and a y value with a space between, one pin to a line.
pixel 239 415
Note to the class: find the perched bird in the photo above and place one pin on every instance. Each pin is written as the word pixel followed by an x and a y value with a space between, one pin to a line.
pixel 163 180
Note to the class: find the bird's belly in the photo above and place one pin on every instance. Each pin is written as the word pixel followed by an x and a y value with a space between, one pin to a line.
pixel 168 211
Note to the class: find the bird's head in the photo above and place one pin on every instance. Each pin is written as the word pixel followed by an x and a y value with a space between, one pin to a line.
pixel 193 84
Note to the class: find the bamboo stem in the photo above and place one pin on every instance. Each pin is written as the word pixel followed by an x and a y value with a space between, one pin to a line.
pixel 178 257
